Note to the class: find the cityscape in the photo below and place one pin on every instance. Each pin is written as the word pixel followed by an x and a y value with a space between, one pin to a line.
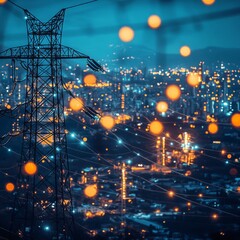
pixel 152 143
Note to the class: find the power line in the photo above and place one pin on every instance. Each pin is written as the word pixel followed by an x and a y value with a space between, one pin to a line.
pixel 81 4
pixel 16 5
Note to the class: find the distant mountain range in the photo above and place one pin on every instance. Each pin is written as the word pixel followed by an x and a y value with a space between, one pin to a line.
pixel 210 56
pixel 134 56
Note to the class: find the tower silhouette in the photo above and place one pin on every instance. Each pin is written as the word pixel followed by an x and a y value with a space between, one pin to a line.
pixel 42 202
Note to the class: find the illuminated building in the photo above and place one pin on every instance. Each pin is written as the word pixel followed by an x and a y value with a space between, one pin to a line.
pixel 123 188
pixel 161 151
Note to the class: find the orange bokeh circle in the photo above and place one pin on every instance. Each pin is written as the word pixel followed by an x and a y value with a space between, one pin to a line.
pixel 208 2
pixel 126 34
pixel 9 187
pixel 90 191
pixel 76 104
pixel 154 21
pixel 173 92
pixel 30 168
pixel 213 128
pixel 162 106
pixel 185 51
pixel 235 120
pixel 107 122
pixel 3 1
pixel 90 79
pixel 156 127
pixel 193 79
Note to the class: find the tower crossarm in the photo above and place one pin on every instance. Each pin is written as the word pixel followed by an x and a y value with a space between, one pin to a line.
pixel 70 53
pixel 45 51
pixel 15 52
pixel 28 52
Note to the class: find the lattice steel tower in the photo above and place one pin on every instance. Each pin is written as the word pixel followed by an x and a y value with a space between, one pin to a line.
pixel 43 202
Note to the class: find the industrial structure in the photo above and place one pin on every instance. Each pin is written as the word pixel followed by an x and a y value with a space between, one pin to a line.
pixel 42 202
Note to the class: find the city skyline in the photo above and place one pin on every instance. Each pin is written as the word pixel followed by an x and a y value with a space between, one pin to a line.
pixel 131 145
pixel 196 139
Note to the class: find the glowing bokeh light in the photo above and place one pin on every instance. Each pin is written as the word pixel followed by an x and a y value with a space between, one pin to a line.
pixel 171 193
pixel 91 191
pixel 8 106
pixel 9 187
pixel 193 79
pixel 215 216
pixel 173 92
pixel 208 2
pixel 107 122
pixel 235 120
pixel 162 106
pixel 76 104
pixel 188 173
pixel 85 139
pixel 223 152
pixel 156 127
pixel 30 168
pixel 213 128
pixel 176 209
pixel 185 51
pixel 126 34
pixel 154 21
pixel 3 1
pixel 90 79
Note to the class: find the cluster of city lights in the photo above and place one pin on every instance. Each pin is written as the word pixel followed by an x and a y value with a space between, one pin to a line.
pixel 173 93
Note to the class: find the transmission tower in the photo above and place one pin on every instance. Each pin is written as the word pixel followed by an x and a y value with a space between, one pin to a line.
pixel 43 202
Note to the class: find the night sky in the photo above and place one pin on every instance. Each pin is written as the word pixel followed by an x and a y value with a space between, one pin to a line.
pixel 93 28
